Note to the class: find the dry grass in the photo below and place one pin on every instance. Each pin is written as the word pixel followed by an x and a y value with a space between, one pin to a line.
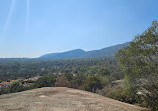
pixel 61 99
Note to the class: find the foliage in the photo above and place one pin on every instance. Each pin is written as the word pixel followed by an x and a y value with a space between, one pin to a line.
pixel 121 94
pixel 75 71
pixel 139 62
pixel 14 69
pixel 92 84
pixel 103 72
pixel 62 82
pixel 15 87
pixel 69 76
pixel 78 80
pixel 46 81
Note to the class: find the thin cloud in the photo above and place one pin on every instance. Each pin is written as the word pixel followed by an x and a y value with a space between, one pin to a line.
pixel 8 18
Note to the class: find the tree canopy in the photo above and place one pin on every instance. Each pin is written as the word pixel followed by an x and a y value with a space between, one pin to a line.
pixel 139 62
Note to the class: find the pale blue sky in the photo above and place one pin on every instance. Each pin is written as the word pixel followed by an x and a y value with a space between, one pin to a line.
pixel 31 28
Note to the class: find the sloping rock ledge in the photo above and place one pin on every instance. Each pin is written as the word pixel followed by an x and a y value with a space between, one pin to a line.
pixel 61 99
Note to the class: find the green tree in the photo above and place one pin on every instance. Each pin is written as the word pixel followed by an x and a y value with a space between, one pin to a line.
pixel 46 81
pixel 15 87
pixel 78 80
pixel 93 84
pixel 103 72
pixel 69 76
pixel 139 62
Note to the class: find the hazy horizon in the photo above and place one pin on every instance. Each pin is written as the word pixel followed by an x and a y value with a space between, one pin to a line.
pixel 62 52
pixel 32 28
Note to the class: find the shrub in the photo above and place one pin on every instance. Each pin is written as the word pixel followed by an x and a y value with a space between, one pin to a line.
pixel 93 84
pixel 46 81
pixel 78 80
pixel 15 87
pixel 62 82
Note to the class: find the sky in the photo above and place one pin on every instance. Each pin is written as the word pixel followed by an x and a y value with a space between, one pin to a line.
pixel 31 28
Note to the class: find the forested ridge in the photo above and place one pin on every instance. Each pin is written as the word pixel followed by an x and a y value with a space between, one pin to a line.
pixel 79 53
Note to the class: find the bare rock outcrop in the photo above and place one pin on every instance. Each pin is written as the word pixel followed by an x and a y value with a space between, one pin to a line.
pixel 61 99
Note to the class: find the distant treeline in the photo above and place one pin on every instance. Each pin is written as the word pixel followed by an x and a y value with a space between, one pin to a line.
pixel 15 69
pixel 86 74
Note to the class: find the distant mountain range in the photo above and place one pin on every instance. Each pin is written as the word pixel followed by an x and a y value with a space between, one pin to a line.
pixel 79 53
